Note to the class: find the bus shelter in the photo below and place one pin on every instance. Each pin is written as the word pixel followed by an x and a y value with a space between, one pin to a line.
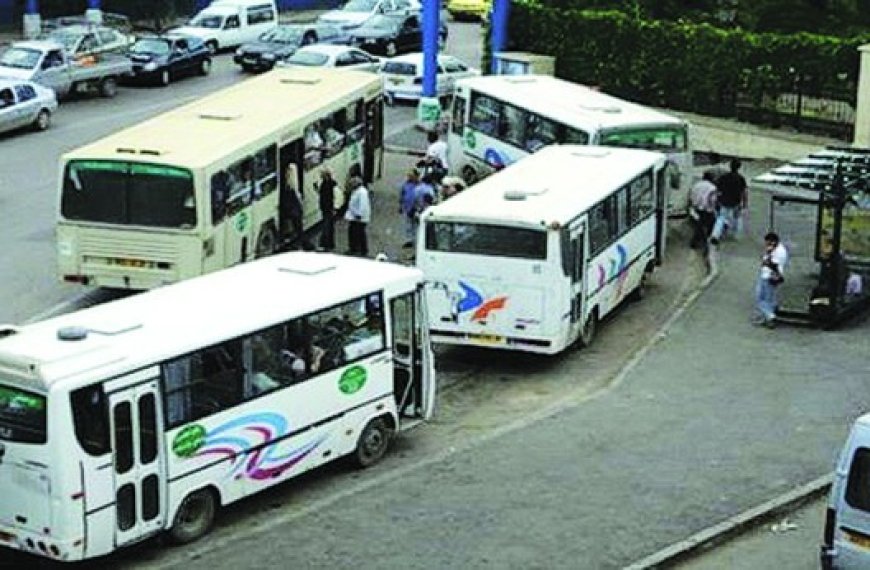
pixel 820 207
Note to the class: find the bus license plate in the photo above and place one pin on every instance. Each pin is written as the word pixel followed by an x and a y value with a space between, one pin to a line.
pixel 858 540
pixel 488 338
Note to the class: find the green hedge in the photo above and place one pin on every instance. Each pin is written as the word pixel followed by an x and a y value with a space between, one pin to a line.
pixel 681 65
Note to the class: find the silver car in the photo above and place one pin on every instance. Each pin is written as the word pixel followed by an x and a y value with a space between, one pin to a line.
pixel 24 103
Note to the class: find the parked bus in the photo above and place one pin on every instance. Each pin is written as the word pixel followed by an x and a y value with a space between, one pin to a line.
pixel 210 184
pixel 534 256
pixel 146 414
pixel 498 119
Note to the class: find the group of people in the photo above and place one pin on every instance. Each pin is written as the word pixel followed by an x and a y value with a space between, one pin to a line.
pixel 426 183
pixel 718 204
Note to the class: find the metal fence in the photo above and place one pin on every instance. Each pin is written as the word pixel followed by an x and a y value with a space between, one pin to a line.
pixel 795 222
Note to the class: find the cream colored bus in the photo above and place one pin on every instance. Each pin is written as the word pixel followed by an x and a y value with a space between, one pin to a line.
pixel 210 184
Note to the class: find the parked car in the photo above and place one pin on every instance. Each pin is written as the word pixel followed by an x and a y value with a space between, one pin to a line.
pixel 48 64
pixel 469 9
pixel 161 59
pixel 323 55
pixel 230 23
pixel 391 34
pixel 282 42
pixel 80 40
pixel 24 103
pixel 355 12
pixel 403 76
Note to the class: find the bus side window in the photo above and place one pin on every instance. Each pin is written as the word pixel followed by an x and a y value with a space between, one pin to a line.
pixel 512 123
pixel 540 132
pixel 314 145
pixel 90 418
pixel 333 133
pixel 355 121
pixel 219 192
pixel 457 123
pixel 265 171
pixel 599 227
pixel 640 198
pixel 575 136
pixel 484 114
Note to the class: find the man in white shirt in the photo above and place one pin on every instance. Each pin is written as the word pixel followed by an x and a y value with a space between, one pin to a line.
pixel 437 149
pixel 770 277
pixel 358 215
pixel 703 212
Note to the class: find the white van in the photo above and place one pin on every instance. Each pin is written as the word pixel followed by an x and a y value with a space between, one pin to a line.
pixel 846 540
pixel 230 23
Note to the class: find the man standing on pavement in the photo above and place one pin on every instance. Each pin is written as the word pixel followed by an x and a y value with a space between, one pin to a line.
pixel 770 277
pixel 358 215
pixel 407 202
pixel 703 200
pixel 437 149
pixel 732 201
pixel 327 209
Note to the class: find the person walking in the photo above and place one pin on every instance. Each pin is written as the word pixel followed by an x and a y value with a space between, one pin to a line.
pixel 424 196
pixel 407 202
pixel 703 212
pixel 294 208
pixel 732 198
pixel 437 149
pixel 770 277
pixel 358 215
pixel 327 210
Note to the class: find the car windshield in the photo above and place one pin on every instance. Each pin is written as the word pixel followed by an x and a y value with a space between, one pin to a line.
pixel 399 68
pixel 22 415
pixel 311 58
pixel 128 193
pixel 360 6
pixel 381 22
pixel 282 35
pixel 151 46
pixel 66 38
pixel 21 58
pixel 209 21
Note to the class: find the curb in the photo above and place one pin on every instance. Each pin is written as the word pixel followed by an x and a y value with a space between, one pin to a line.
pixel 403 150
pixel 736 525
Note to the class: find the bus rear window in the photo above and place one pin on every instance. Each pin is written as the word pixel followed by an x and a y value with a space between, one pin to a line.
pixel 487 240
pixel 128 193
pixel 665 139
pixel 22 416
pixel 858 486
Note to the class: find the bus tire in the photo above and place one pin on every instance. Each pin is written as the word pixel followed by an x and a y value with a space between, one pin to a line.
pixel 194 518
pixel 108 87
pixel 587 333
pixel 469 175
pixel 267 241
pixel 372 443
pixel 639 292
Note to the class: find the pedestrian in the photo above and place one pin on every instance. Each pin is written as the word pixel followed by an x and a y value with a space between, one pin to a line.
pixel 294 207
pixel 770 277
pixel 703 209
pixel 732 198
pixel 407 203
pixel 424 196
pixel 437 149
pixel 358 215
pixel 327 189
pixel 451 186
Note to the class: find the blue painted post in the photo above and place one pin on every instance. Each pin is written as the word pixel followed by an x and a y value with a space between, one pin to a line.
pixel 94 13
pixel 202 4
pixel 429 109
pixel 500 16
pixel 6 11
pixel 32 21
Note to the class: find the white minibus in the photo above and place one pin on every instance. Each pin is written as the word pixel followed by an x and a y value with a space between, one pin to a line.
pixel 146 414
pixel 499 119
pixel 534 256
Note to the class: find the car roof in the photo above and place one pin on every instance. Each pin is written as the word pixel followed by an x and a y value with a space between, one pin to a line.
pixel 11 82
pixel 40 45
pixel 417 58
pixel 326 49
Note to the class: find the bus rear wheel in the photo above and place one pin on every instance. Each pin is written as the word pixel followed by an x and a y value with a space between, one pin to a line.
pixel 640 291
pixel 469 175
pixel 373 443
pixel 194 517
pixel 587 333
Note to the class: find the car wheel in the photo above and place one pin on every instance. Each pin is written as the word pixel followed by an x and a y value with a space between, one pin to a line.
pixel 212 47
pixel 164 78
pixel 108 87
pixel 372 443
pixel 43 120
pixel 309 38
pixel 442 43
pixel 205 67
pixel 391 49
pixel 194 517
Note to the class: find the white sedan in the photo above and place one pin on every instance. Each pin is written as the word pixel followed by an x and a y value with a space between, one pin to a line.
pixel 325 55
pixel 24 103
pixel 403 76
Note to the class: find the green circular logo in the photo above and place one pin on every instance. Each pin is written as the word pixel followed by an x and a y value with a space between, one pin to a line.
pixel 470 140
pixel 188 440
pixel 353 379
pixel 242 222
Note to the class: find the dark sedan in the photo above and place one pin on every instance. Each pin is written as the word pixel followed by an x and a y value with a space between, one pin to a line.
pixel 388 34
pixel 161 59
pixel 282 42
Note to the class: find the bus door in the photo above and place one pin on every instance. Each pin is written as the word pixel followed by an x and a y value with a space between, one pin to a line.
pixel 290 159
pixel 134 416
pixel 575 259
pixel 413 377
pixel 661 207
pixel 373 155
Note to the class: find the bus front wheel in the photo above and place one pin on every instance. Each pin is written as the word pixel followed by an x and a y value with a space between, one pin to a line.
pixel 587 334
pixel 469 175
pixel 267 241
pixel 372 443
pixel 194 517
pixel 640 291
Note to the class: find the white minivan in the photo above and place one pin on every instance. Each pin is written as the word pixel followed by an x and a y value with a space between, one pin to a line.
pixel 230 23
pixel 846 540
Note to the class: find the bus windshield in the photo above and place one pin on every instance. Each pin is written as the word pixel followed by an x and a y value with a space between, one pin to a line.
pixel 128 193
pixel 664 139
pixel 485 239
pixel 22 416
